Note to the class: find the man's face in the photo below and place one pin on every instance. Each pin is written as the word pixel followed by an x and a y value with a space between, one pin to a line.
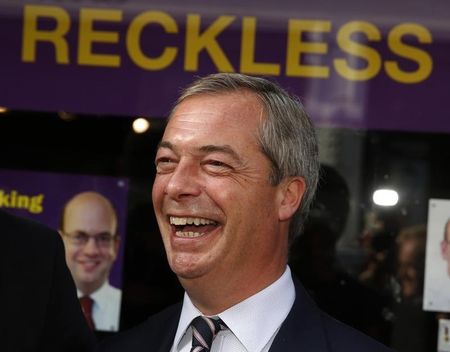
pixel 89 263
pixel 445 247
pixel 217 212
pixel 407 272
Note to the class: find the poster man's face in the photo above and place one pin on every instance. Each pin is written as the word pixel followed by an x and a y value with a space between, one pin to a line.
pixel 89 218
pixel 445 247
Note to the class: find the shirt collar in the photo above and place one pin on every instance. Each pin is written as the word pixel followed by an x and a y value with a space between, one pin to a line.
pixel 100 297
pixel 264 313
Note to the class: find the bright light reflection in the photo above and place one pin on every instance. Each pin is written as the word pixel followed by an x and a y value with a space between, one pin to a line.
pixel 140 125
pixel 3 109
pixel 385 197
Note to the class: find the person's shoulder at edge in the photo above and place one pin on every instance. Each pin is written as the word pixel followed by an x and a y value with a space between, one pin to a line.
pixel 26 227
pixel 27 241
pixel 331 335
pixel 140 337
pixel 36 255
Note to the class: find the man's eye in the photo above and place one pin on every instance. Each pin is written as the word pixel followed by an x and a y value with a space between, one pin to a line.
pixel 80 237
pixel 162 161
pixel 105 238
pixel 164 164
pixel 217 166
pixel 217 163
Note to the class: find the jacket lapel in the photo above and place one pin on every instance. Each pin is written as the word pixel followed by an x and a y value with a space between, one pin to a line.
pixel 167 328
pixel 302 330
pixel 166 339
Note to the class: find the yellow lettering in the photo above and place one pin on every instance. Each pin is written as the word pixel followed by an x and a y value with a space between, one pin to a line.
pixel 248 64
pixel 422 58
pixel 87 36
pixel 297 47
pixel 134 35
pixel 371 56
pixel 196 42
pixel 31 34
pixel 22 202
pixel 15 200
pixel 36 204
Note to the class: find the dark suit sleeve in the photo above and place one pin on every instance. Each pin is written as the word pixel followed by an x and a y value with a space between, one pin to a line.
pixel 65 328
pixel 40 311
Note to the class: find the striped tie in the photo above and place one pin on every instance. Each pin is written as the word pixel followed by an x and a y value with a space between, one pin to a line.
pixel 204 330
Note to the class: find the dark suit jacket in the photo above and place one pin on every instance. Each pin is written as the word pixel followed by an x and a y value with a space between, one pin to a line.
pixel 305 329
pixel 39 308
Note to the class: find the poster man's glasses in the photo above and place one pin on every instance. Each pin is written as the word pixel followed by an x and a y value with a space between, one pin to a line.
pixel 81 238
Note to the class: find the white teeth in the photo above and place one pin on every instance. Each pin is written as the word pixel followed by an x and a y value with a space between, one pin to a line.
pixel 190 221
pixel 177 221
pixel 189 234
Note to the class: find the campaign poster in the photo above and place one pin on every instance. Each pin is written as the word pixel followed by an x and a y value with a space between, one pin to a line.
pixel 92 229
pixel 437 265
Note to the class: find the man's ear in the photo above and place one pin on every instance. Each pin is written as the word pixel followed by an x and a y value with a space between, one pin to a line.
pixel 292 191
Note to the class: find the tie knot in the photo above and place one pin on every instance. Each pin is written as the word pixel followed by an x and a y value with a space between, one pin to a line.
pixel 86 303
pixel 204 330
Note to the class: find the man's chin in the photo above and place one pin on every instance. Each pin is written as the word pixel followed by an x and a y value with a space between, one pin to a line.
pixel 88 286
pixel 90 279
pixel 188 273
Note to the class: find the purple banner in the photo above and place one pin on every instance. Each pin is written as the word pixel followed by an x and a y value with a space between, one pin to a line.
pixel 354 69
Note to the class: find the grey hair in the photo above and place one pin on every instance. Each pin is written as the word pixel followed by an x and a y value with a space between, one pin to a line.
pixel 286 135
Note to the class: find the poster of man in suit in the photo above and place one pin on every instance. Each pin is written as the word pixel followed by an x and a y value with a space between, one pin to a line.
pixel 437 265
pixel 89 212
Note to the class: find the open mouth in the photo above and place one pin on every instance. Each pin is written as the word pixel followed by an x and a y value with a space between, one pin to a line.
pixel 190 227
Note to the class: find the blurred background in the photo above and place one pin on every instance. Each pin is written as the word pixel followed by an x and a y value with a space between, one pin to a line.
pixel 86 87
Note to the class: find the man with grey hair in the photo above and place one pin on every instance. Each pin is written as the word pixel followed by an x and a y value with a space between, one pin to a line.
pixel 237 168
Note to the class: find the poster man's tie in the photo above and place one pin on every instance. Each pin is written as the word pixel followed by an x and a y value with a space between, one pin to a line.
pixel 86 305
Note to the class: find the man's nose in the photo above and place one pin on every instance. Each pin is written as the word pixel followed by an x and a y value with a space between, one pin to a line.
pixel 184 181
pixel 91 246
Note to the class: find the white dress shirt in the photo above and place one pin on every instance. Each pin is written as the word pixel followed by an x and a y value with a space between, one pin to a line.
pixel 106 307
pixel 253 323
pixel 437 288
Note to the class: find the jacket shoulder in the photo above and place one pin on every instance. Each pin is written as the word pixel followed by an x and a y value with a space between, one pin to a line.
pixel 343 338
pixel 308 328
pixel 25 230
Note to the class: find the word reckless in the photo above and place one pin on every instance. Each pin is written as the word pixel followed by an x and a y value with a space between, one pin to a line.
pixel 353 39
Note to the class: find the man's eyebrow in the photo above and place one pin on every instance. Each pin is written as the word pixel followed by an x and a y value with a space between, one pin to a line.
pixel 165 144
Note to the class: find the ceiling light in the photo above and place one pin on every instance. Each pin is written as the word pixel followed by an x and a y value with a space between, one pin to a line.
pixel 385 197
pixel 140 125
